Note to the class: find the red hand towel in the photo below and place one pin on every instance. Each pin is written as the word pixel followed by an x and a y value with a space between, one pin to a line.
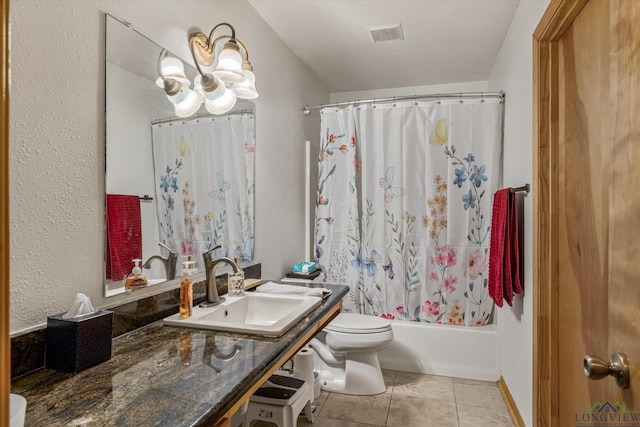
pixel 511 251
pixel 504 257
pixel 499 216
pixel 124 234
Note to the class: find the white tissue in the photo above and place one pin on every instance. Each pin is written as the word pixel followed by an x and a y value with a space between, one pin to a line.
pixel 81 306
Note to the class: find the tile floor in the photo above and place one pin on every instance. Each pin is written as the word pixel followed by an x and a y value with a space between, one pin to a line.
pixel 413 400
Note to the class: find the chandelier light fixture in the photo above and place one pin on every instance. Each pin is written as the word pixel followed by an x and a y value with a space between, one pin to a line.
pixel 218 84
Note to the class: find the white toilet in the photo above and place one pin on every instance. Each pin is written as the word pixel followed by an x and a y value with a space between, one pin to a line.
pixel 347 353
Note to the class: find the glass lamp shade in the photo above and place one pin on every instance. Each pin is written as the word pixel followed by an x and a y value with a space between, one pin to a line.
pixel 216 93
pixel 172 68
pixel 229 68
pixel 222 104
pixel 247 88
pixel 197 85
pixel 186 102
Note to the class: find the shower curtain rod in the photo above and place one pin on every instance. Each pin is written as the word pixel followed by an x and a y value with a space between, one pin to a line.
pixel 434 96
pixel 198 116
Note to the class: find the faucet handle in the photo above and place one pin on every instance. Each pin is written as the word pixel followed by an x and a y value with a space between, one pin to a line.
pixel 171 252
pixel 208 253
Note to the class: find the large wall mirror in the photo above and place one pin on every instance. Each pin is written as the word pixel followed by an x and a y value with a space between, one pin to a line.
pixel 175 187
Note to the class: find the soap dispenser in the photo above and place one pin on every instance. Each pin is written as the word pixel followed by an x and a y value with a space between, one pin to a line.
pixel 186 290
pixel 136 279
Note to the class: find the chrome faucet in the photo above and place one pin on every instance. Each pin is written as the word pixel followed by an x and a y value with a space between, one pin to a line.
pixel 169 262
pixel 210 268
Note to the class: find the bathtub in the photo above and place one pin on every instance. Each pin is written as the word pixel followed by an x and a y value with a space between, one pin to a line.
pixel 456 351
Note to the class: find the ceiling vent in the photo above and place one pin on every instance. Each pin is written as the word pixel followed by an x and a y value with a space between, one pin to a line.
pixel 385 33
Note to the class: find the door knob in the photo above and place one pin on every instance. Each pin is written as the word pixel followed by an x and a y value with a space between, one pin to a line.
pixel 596 368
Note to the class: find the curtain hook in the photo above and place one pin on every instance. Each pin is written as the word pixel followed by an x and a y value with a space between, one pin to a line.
pixel 374 103
pixel 439 102
pixel 482 97
pixel 460 97
pixel 394 101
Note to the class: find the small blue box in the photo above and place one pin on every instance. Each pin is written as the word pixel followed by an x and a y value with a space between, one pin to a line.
pixel 305 267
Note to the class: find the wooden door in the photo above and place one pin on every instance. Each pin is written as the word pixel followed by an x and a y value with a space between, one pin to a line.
pixel 587 254
pixel 5 344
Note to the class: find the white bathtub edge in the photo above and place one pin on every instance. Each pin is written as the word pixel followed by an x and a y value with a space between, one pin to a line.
pixel 461 352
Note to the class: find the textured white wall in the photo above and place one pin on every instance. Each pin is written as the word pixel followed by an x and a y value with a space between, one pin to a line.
pixel 512 72
pixel 57 141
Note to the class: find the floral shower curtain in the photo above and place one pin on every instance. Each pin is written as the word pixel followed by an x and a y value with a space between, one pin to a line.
pixel 404 207
pixel 204 185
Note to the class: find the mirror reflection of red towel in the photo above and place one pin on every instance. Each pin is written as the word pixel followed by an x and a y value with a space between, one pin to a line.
pixel 124 234
pixel 504 257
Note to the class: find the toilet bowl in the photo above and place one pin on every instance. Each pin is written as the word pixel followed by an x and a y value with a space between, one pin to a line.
pixel 347 354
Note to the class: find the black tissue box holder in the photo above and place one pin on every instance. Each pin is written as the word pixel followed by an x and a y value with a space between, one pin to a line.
pixel 78 343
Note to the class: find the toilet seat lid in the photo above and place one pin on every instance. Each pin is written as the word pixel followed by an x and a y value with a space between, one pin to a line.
pixel 358 324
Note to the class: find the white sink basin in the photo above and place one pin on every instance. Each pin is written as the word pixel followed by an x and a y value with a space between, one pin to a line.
pixel 269 315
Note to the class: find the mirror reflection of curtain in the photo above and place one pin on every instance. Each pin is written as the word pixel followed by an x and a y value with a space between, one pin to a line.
pixel 404 207
pixel 203 169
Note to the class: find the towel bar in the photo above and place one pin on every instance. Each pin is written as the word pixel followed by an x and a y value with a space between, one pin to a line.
pixel 526 188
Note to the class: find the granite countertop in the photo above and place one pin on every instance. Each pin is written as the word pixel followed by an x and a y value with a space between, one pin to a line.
pixel 162 376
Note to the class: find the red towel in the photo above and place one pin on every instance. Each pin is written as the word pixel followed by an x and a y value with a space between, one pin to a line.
pixel 511 251
pixel 497 243
pixel 504 259
pixel 124 234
